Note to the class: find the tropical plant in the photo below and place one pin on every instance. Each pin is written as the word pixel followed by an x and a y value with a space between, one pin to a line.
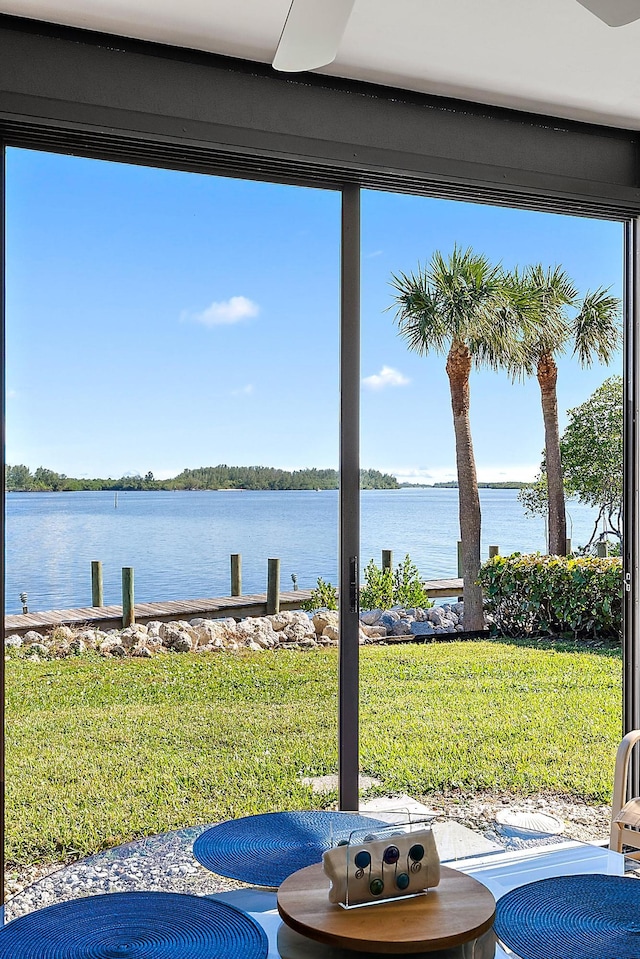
pixel 591 449
pixel 377 591
pixel 384 588
pixel 468 309
pixel 595 332
pixel 324 596
pixel 592 455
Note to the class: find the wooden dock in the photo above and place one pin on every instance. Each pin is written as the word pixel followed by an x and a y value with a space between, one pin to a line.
pixel 110 617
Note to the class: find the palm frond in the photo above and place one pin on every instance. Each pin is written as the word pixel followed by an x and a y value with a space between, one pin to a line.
pixel 597 328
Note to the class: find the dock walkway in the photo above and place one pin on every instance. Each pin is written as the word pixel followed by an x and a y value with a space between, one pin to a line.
pixel 110 617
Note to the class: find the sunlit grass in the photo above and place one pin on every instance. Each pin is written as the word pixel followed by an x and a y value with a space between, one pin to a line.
pixel 101 751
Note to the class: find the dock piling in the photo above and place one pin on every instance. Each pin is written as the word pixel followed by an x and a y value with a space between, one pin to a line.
pixel 236 574
pixel 97 587
pixel 273 587
pixel 494 551
pixel 128 615
pixel 387 559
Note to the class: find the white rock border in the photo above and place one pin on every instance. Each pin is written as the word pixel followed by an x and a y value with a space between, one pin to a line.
pixel 287 630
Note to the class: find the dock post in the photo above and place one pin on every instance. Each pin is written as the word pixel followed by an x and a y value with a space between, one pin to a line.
pixel 236 574
pixel 128 615
pixel 387 559
pixel 273 587
pixel 97 588
pixel 602 549
pixel 567 548
pixel 494 551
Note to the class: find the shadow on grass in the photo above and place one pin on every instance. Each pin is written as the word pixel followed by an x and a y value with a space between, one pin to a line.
pixel 563 644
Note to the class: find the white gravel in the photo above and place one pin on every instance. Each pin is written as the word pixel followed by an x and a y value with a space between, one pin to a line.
pixel 166 862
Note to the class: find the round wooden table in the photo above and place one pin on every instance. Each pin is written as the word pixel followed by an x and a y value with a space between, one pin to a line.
pixel 458 910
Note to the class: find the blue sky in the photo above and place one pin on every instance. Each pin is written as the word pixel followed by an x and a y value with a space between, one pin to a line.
pixel 160 320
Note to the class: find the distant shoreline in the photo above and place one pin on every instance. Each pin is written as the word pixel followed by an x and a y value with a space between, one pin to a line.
pixel 281 489
pixel 20 479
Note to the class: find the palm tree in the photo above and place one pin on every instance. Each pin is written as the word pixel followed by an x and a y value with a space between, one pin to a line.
pixel 595 332
pixel 471 311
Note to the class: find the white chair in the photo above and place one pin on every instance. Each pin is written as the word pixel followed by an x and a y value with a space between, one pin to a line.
pixel 625 816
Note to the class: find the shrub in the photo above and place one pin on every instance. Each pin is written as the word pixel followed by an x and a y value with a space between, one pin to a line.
pixel 324 596
pixel 383 589
pixel 554 594
pixel 377 592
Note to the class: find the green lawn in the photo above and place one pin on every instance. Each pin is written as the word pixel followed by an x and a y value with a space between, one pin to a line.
pixel 101 751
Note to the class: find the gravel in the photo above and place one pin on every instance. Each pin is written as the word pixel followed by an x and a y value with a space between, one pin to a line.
pixel 166 862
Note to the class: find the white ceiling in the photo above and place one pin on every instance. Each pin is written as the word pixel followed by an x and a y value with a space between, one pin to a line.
pixel 549 56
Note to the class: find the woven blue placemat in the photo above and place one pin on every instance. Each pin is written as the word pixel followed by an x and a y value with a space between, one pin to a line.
pixel 265 849
pixel 134 925
pixel 572 917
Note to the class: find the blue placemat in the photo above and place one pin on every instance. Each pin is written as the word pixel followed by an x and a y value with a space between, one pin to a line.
pixel 265 849
pixel 572 917
pixel 134 925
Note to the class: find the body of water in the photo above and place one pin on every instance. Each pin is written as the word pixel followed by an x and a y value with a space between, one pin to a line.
pixel 179 543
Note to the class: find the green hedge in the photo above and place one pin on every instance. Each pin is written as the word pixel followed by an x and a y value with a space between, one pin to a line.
pixel 554 594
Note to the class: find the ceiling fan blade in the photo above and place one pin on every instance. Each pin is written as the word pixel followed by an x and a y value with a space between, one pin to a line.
pixel 616 13
pixel 312 34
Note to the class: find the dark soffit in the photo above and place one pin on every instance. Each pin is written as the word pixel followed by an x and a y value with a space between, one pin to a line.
pixel 77 91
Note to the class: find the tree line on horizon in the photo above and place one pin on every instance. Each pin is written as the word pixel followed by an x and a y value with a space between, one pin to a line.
pixel 480 315
pixel 20 479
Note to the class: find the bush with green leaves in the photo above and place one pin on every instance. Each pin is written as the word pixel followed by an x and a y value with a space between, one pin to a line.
pixel 384 589
pixel 535 594
pixel 324 596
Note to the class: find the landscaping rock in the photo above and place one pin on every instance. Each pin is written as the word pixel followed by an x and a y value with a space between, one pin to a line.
pixel 62 634
pixel 285 630
pixel 143 652
pixel 371 617
pixel 421 629
pixel 323 618
pixel 182 643
pixel 389 619
pixel 176 636
pixel 299 633
pixel 258 631
pixel 37 649
pixel 280 621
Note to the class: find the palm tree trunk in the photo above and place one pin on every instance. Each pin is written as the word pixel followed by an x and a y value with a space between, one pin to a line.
pixel 547 378
pixel 458 370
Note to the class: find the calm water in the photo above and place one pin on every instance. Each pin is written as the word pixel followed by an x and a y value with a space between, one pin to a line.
pixel 179 542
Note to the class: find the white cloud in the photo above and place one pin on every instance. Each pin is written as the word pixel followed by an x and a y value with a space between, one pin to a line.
pixel 370 256
pixel 427 476
pixel 224 313
pixel 501 472
pixel 520 472
pixel 243 390
pixel 386 377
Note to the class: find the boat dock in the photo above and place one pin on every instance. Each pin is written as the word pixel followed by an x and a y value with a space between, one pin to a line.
pixel 110 617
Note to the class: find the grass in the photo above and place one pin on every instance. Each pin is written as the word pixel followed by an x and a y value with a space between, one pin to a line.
pixel 102 751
